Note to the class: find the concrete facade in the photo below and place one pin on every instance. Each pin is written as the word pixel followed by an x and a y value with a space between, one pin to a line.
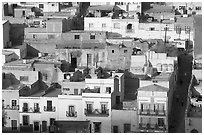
pixel 6 35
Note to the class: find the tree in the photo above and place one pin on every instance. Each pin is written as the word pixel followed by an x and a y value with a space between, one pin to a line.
pixel 102 74
pixel 77 77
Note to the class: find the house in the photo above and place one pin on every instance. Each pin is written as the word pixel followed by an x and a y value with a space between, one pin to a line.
pixel 21 12
pixel 10 102
pixel 188 8
pixel 103 18
pixel 6 35
pixel 161 61
pixel 8 56
pixel 152 108
pixel 130 6
pixel 49 6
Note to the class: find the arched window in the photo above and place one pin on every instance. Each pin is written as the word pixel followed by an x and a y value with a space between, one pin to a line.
pixel 129 27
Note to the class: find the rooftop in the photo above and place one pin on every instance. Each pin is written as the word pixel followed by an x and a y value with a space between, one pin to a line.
pixel 162 77
pixel 101 7
pixel 153 87
pixel 160 9
pixel 4 21
pixel 5 52
pixel 15 87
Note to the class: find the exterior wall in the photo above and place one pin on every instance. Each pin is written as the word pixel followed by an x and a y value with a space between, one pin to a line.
pixel 67 101
pixel 149 82
pixel 12 114
pixel 65 54
pixel 54 26
pixel 72 85
pixel 156 98
pixel 21 53
pixel 46 115
pixel 101 3
pixel 97 99
pixel 131 6
pixel 137 63
pixel 193 123
pixel 121 28
pixel 6 36
pixel 33 76
pixel 119 59
pixel 50 7
pixel 128 117
pixel 18 12
pixel 33 117
pixel 161 58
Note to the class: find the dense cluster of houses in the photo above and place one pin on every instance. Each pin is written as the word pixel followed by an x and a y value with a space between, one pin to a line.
pixel 80 66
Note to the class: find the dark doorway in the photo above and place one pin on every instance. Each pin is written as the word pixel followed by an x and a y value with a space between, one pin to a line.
pixel 73 62
pixel 115 129
pixel 44 126
pixel 36 126
pixel 127 128
pixel 117 99
pixel 14 124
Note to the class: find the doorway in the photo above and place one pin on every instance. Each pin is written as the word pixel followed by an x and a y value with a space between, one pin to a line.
pixel 44 126
pixel 14 124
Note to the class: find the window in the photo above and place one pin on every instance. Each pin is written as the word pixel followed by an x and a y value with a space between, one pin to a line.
pixel 112 51
pixel 92 36
pixel 97 127
pixel 71 111
pixel 198 8
pixel 89 59
pixel 36 107
pixel 51 36
pixel 34 36
pixel 36 126
pixel 160 122
pixel 142 107
pixel 125 51
pixel 41 5
pixel 24 78
pixel 152 28
pixel 115 129
pixel 44 126
pixel 89 107
pixel 53 4
pixel 103 25
pixel 91 25
pixel 76 36
pixel 23 13
pixel 108 90
pixel 25 119
pixel 75 91
pixel 66 89
pixel 14 124
pixel 129 27
pixel 44 76
pixel 116 25
pixel 49 105
pixel 52 121
pixel 25 107
pixel 103 108
pixel 127 128
pixel 13 103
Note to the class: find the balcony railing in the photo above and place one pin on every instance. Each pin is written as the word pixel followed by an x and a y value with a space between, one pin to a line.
pixel 49 109
pixel 9 107
pixel 31 110
pixel 71 114
pixel 154 127
pixel 97 112
pixel 152 112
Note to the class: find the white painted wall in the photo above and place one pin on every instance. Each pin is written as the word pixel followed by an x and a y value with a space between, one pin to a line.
pixel 150 82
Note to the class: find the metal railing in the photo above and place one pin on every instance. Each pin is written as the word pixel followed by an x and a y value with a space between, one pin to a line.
pixel 71 114
pixel 30 110
pixel 9 107
pixel 96 112
pixel 49 109
pixel 148 126
pixel 152 112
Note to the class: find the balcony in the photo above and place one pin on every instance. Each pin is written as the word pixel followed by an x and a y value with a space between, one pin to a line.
pixel 31 110
pixel 8 107
pixel 152 112
pixel 97 112
pixel 49 109
pixel 71 114
pixel 152 127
